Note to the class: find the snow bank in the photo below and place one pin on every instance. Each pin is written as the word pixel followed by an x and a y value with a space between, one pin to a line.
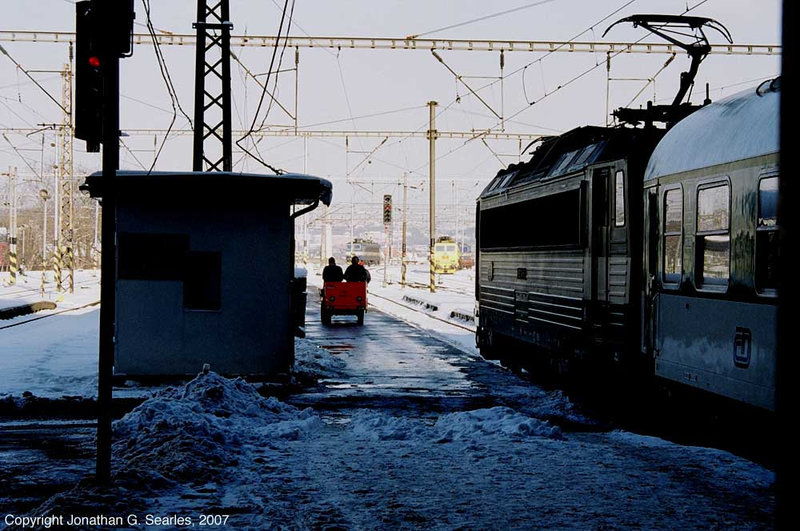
pixel 196 431
pixel 311 361
pixel 373 425
pixel 719 465
pixel 493 422
pixel 550 405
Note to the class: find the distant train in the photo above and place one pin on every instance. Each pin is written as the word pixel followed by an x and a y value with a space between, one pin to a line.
pixel 445 255
pixel 650 247
pixel 366 250
pixel 466 258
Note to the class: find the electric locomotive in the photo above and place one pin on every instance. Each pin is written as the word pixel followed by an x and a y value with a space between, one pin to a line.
pixel 445 255
pixel 559 241
pixel 366 250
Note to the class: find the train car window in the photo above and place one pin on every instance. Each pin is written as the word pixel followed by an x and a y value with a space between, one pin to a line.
pixel 673 227
pixel 587 155
pixel 767 236
pixel 712 267
pixel 619 199
pixel 575 160
pixel 563 163
pixel 548 221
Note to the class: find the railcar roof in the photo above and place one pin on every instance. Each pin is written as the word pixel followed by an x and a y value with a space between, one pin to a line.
pixel 564 154
pixel 738 127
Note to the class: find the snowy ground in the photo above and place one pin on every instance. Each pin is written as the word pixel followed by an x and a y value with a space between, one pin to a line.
pixel 494 453
pixel 50 357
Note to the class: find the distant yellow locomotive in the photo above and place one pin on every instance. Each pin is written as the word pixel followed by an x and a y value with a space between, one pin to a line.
pixel 445 255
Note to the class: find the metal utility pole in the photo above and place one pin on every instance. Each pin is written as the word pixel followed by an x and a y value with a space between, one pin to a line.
pixel 64 257
pixel 45 195
pixel 403 243
pixel 12 225
pixel 305 220
pixel 432 134
pixel 218 69
pixel 608 89
pixel 325 238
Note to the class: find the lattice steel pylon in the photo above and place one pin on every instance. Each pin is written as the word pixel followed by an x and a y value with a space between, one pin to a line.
pixel 64 253
pixel 212 109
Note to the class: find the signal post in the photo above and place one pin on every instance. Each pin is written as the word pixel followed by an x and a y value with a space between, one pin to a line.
pixel 104 34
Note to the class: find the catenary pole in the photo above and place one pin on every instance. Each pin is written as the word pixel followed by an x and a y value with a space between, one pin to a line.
pixel 403 243
pixel 432 192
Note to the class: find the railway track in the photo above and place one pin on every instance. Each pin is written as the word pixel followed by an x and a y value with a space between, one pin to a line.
pixel 50 287
pixel 59 312
pixel 461 290
pixel 409 307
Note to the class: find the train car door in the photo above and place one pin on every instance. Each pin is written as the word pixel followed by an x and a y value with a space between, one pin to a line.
pixel 601 203
pixel 651 271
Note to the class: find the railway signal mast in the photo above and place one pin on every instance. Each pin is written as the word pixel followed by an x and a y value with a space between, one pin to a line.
pixel 104 34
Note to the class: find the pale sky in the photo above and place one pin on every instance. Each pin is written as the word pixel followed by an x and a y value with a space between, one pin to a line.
pixel 339 87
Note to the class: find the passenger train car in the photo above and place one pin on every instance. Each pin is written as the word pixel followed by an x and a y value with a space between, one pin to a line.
pixel 711 248
pixel 618 244
pixel 466 260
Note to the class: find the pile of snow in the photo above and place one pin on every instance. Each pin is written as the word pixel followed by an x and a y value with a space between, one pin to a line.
pixel 313 362
pixel 467 426
pixel 718 465
pixel 493 422
pixel 374 425
pixel 550 405
pixel 194 432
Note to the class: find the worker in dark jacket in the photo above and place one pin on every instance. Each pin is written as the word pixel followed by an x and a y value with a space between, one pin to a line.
pixel 332 272
pixel 355 272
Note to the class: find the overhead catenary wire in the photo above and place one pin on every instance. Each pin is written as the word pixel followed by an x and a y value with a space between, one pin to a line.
pixel 481 19
pixel 565 84
pixel 20 68
pixel 21 156
pixel 492 83
pixel 278 70
pixel 164 69
pixel 252 127
pixel 539 60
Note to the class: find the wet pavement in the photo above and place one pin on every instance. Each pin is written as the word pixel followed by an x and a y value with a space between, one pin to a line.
pixel 391 366
pixel 395 367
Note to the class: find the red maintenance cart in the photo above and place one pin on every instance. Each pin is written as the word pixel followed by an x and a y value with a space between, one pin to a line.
pixel 343 298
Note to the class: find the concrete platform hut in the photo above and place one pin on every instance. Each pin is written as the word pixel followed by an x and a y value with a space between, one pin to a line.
pixel 205 270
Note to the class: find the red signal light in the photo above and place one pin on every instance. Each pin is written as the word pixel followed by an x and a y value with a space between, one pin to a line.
pixel 94 61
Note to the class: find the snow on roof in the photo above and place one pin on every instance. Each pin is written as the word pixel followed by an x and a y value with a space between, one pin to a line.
pixel 738 127
pixel 303 189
